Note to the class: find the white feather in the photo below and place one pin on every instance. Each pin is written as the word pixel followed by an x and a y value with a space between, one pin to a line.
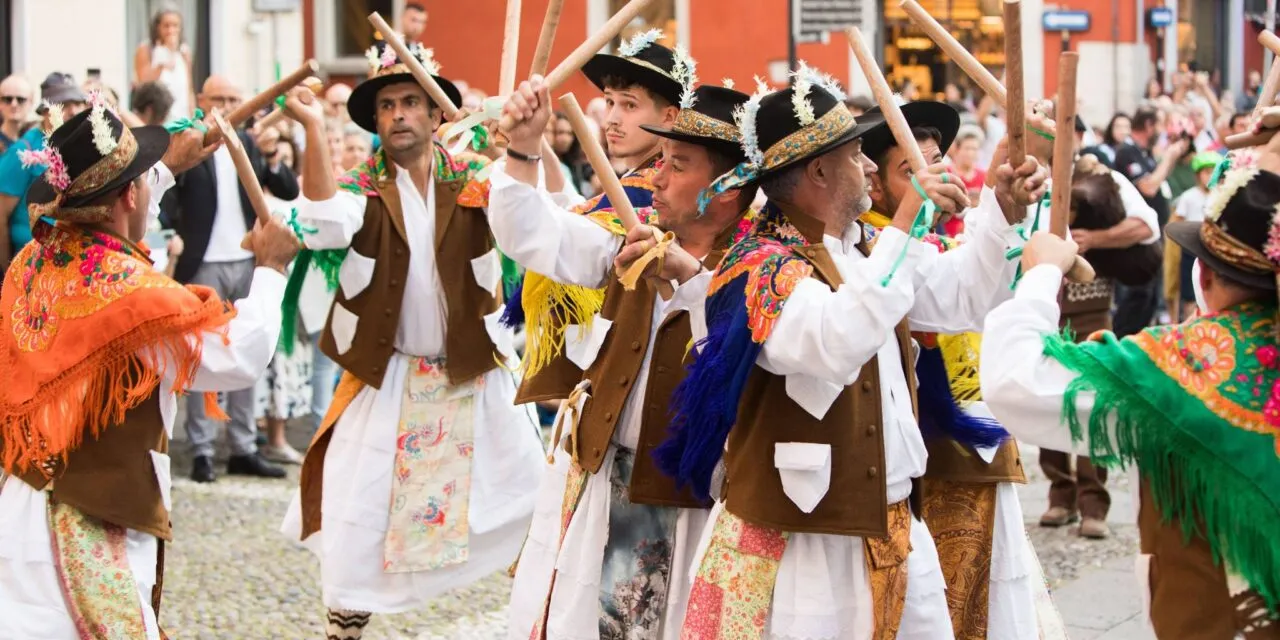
pixel 639 43
pixel 727 82
pixel 745 117
pixel 685 72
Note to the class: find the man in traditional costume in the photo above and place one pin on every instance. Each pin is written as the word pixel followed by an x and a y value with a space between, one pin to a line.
pixel 95 345
pixel 804 384
pixel 642 85
pixel 1193 406
pixel 612 543
pixel 423 473
pixel 969 501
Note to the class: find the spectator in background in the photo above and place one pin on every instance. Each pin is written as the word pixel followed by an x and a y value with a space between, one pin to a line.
pixel 1248 98
pixel 1116 134
pixel 151 102
pixel 964 160
pixel 335 101
pixel 413 21
pixel 858 105
pixel 15 108
pixel 1238 123
pixel 569 151
pixel 357 146
pixel 167 59
pixel 1179 293
pixel 15 179
pixel 213 215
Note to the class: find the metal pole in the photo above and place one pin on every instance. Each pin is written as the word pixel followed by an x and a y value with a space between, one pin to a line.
pixel 791 36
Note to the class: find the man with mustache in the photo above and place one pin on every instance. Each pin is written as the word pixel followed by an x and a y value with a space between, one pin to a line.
pixel 642 85
pixel 607 521
pixel 798 410
pixel 422 476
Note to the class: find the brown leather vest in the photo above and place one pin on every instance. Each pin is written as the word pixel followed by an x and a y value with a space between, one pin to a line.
pixel 951 461
pixel 462 234
pixel 855 503
pixel 111 477
pixel 613 374
pixel 1086 306
pixel 1189 595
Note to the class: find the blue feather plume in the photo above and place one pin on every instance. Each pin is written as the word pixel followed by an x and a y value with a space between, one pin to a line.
pixel 941 415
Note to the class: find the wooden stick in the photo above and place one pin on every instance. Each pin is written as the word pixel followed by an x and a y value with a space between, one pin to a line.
pixel 1064 160
pixel 276 115
pixel 1267 95
pixel 956 51
pixel 244 169
pixel 547 38
pixel 1249 139
pixel 884 97
pixel 510 49
pixel 260 101
pixel 1015 109
pixel 419 72
pixel 599 162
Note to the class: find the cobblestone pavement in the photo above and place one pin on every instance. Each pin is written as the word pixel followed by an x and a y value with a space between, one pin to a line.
pixel 230 574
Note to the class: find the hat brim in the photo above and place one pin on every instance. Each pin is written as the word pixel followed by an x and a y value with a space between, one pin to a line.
pixel 918 114
pixel 153 142
pixel 731 149
pixel 362 105
pixel 859 130
pixel 1187 235
pixel 604 65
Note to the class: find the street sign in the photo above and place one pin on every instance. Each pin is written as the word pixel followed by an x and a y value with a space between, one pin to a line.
pixel 275 6
pixel 815 18
pixel 1160 17
pixel 1066 21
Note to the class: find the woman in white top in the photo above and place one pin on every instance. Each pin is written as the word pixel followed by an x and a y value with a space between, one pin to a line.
pixel 167 60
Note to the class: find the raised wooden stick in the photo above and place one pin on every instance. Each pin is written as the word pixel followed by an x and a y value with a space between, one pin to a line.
pixel 596 42
pixel 1015 109
pixel 599 162
pixel 270 120
pixel 1064 160
pixel 1266 98
pixel 244 169
pixel 419 72
pixel 547 38
pixel 260 101
pixel 510 49
pixel 956 51
pixel 884 97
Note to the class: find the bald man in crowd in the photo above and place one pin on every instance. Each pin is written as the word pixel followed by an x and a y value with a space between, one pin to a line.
pixel 335 101
pixel 212 213
pixel 15 108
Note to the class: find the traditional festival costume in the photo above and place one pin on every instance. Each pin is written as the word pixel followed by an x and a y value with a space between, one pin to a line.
pixel 1193 406
pixel 968 497
pixel 95 346
pixel 422 476
pixel 549 307
pixel 804 384
pixel 612 542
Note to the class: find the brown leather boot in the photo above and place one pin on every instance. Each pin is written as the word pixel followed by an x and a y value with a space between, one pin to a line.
pixel 1058 517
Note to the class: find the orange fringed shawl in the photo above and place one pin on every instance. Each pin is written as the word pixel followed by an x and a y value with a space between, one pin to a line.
pixel 77 309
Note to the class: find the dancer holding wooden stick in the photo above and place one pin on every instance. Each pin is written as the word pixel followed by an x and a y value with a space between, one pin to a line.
pixel 424 415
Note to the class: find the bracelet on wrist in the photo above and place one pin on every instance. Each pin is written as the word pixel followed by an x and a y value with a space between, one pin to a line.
pixel 522 157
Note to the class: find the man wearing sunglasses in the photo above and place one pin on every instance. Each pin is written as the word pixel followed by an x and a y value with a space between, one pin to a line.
pixel 15 108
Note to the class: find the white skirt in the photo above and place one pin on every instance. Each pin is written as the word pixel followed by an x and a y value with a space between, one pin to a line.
pixel 357 496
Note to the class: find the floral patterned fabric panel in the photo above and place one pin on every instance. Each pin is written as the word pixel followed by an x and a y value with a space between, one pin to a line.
pixel 93 569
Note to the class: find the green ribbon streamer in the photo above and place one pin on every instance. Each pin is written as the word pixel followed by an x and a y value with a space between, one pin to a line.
pixel 1043 134
pixel 1016 252
pixel 1219 171
pixel 298 230
pixel 919 227
pixel 182 124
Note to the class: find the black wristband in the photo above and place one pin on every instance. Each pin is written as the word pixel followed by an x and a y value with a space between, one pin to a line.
pixel 512 153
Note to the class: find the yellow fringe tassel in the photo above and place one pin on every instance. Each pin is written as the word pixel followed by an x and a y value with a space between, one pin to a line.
pixel 549 307
pixel 960 353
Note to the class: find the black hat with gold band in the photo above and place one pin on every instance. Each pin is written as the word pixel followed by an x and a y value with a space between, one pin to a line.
pixel 641 60
pixel 90 156
pixel 706 119
pixel 1240 234
pixel 386 68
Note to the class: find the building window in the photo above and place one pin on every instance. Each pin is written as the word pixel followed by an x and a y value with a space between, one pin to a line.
pixel 352 34
pixel 660 15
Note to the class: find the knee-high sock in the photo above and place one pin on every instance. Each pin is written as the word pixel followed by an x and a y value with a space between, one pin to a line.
pixel 345 625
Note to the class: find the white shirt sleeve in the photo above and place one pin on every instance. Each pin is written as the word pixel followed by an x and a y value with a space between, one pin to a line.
pixel 829 334
pixel 335 220
pixel 1022 387
pixel 251 340
pixel 1136 207
pixel 530 228
pixel 692 297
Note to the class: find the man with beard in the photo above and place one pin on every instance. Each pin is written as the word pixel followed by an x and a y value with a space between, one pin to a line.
pixel 421 478
pixel 642 85
pixel 608 525
pixel 803 386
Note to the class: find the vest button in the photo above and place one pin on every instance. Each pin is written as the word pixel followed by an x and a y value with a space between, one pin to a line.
pixel 653 406
pixel 623 381
pixel 377 369
pixel 395 283
pixel 662 369
pixel 635 345
pixel 871 472
pixel 388 312
pixel 866 386
pixel 608 415
pixel 871 430
pixel 399 252
pixel 382 341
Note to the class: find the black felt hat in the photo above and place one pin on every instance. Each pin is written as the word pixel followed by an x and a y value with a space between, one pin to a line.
pixel 85 164
pixel 785 139
pixel 708 121
pixel 921 113
pixel 386 68
pixel 641 61
pixel 1238 219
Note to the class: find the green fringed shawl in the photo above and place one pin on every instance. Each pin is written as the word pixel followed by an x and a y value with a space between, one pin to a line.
pixel 1189 405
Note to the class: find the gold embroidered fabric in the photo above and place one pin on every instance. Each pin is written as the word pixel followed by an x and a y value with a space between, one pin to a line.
pixel 692 123
pixel 822 132
pixel 887 566
pixel 1232 250
pixel 108 168
pixel 961 516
